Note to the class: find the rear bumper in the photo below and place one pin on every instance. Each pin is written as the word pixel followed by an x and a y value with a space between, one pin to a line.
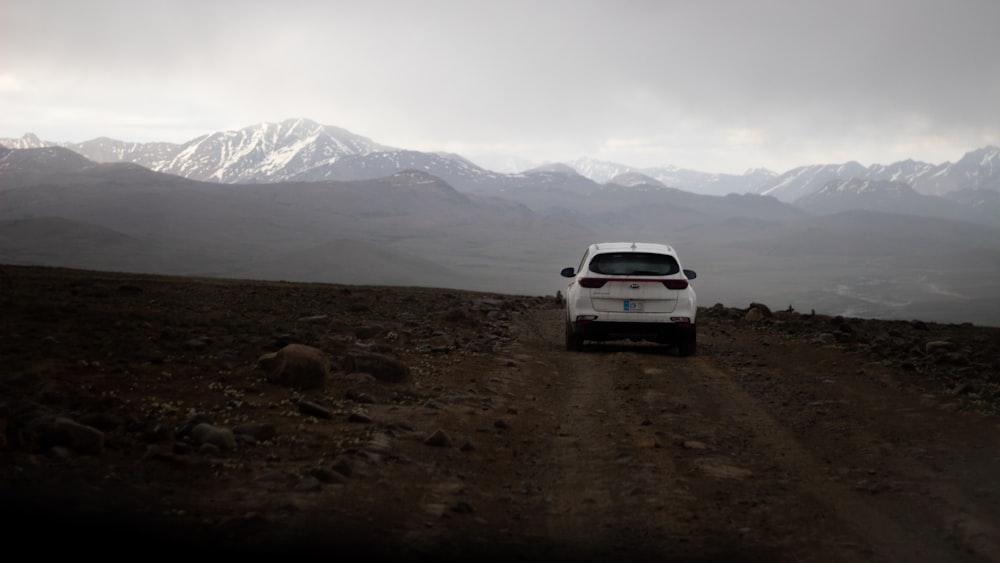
pixel 657 332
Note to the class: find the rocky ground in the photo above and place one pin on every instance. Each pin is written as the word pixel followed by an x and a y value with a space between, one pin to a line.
pixel 198 416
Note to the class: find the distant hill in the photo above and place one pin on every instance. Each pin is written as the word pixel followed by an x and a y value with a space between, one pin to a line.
pixel 411 227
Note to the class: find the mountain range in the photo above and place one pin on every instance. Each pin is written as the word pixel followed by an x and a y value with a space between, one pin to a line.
pixel 302 201
pixel 304 150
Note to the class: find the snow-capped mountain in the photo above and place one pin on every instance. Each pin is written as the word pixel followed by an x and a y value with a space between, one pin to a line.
pixel 602 171
pixel 712 184
pixel 906 171
pixel 451 168
pixel 973 205
pixel 28 141
pixel 870 195
pixel 303 150
pixel 266 153
pixel 151 155
pixel 805 180
pixel 977 170
pixel 292 150
pixel 636 180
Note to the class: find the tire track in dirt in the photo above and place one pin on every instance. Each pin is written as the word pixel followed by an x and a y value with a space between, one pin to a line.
pixel 930 471
pixel 877 535
pixel 656 455
pixel 576 485
pixel 607 483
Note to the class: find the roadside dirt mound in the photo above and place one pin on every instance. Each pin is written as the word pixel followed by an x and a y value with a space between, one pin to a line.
pixel 454 424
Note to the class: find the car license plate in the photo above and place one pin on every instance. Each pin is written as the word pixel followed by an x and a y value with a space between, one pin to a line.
pixel 632 306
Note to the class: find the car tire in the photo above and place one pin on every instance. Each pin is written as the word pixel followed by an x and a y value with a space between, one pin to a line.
pixel 688 344
pixel 574 342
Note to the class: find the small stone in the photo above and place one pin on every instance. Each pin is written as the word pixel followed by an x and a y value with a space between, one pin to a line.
pixel 358 417
pixel 308 484
pixel 438 439
pixel 218 436
pixel 462 507
pixel 694 445
pixel 313 409
pixel 343 466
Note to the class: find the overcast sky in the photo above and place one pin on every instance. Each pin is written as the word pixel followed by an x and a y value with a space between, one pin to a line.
pixel 717 86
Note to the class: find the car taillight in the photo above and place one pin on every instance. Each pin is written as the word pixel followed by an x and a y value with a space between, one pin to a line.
pixel 592 283
pixel 675 284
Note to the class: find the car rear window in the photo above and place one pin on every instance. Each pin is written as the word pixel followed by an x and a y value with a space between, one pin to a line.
pixel 634 264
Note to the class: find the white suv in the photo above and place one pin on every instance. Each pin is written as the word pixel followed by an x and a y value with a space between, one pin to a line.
pixel 631 290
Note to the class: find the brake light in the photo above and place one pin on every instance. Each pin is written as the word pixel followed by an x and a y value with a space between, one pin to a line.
pixel 594 283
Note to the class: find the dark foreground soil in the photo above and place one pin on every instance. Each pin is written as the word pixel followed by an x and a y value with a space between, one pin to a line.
pixel 138 420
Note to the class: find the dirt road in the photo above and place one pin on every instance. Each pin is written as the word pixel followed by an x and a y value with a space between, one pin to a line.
pixel 756 449
pixel 770 444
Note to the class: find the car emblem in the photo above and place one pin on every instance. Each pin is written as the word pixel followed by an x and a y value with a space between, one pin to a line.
pixel 634 285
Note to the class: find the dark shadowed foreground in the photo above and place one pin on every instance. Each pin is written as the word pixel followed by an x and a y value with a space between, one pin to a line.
pixel 150 415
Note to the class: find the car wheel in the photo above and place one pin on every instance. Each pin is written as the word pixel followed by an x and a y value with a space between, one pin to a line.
pixel 688 343
pixel 574 342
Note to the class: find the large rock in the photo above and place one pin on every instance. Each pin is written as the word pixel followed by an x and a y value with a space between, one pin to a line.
pixel 218 436
pixel 296 365
pixel 80 437
pixel 379 366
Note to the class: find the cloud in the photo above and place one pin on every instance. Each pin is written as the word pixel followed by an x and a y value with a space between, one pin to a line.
pixel 723 85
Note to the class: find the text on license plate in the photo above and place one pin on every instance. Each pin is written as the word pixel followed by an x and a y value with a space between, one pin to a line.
pixel 632 306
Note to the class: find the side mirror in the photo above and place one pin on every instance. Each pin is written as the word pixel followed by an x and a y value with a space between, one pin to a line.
pixel 690 274
pixel 567 273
